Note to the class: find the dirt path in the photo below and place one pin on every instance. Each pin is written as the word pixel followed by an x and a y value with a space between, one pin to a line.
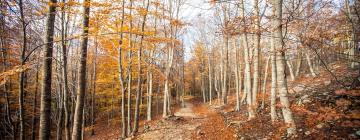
pixel 206 123
pixel 186 111
pixel 177 127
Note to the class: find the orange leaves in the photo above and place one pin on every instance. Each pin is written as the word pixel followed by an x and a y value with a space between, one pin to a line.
pixel 176 22
pixel 161 40
pixel 348 92
pixel 213 2
pixel 142 11
pixel 17 69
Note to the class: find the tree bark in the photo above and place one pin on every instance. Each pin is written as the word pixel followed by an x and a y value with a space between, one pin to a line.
pixel 78 117
pixel 210 78
pixel 138 92
pixel 264 83
pixel 64 72
pixel 92 117
pixel 45 100
pixel 121 76
pixel 129 73
pixel 299 63
pixel 311 68
pixel 291 70
pixel 166 107
pixel 150 90
pixel 237 78
pixel 256 56
pixel 22 73
pixel 247 80
pixel 34 120
pixel 280 66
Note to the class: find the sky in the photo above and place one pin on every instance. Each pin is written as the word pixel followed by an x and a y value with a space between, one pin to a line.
pixel 190 13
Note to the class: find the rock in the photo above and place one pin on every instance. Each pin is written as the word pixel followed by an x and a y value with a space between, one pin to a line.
pixel 304 100
pixel 326 83
pixel 325 93
pixel 235 135
pixel 146 128
pixel 357 132
pixel 352 136
pixel 321 125
pixel 298 88
pixel 307 133
pixel 199 132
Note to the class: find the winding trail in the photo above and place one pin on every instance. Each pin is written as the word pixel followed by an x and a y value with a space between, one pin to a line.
pixel 194 121
pixel 186 111
pixel 178 127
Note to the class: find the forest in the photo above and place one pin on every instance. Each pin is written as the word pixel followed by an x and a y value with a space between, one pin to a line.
pixel 179 69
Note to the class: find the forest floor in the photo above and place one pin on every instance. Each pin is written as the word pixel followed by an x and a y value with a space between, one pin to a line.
pixel 322 109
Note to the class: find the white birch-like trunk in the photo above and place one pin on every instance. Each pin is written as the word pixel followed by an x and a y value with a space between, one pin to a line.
pixel 280 66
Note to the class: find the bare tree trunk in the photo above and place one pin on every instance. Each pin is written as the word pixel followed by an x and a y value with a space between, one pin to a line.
pixel 247 78
pixel 273 83
pixel 60 110
pixel 129 99
pixel 150 81
pixel 256 54
pixel 59 102
pixel 225 76
pixel 280 66
pixel 150 91
pixel 210 78
pixel 129 73
pixel 22 73
pixel 221 76
pixel 138 93
pixel 216 83
pixel 78 117
pixel 202 81
pixel 34 120
pixel 83 124
pixel 183 90
pixel 264 83
pixel 352 44
pixel 112 102
pixel 123 114
pixel 170 55
pixel 310 64
pixel 121 77
pixel 291 70
pixel 299 62
pixel 240 80
pixel 64 72
pixel 92 117
pixel 237 78
pixel 45 99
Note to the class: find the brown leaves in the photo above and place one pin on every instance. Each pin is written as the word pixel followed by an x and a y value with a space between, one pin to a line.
pixel 355 93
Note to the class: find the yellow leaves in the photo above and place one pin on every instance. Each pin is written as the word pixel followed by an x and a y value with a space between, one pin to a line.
pixel 61 4
pixel 72 3
pixel 161 40
pixel 100 4
pixel 17 69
